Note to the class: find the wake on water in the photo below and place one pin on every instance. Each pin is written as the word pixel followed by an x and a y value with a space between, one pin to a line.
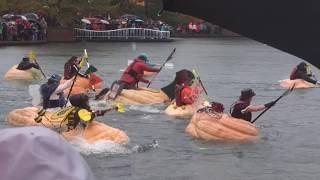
pixel 110 148
pixel 103 146
pixel 153 109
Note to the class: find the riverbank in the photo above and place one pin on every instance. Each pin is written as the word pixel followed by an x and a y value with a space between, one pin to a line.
pixel 67 36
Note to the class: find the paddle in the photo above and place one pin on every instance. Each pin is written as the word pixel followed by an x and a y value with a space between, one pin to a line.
pixel 82 62
pixel 199 79
pixel 33 57
pixel 288 91
pixel 119 108
pixel 167 60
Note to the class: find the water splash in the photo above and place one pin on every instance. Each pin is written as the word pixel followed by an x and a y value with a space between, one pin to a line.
pixel 154 109
pixel 110 148
pixel 100 147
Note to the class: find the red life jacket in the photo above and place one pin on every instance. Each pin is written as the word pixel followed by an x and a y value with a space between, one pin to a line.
pixel 180 101
pixel 94 79
pixel 135 71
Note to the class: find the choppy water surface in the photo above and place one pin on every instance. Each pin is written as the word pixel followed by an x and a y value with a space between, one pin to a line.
pixel 289 144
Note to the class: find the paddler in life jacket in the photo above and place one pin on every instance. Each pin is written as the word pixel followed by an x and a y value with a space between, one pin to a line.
pixel 134 72
pixel 303 71
pixel 71 68
pixel 130 78
pixel 183 93
pixel 243 109
pixel 52 92
pixel 26 64
pixel 82 114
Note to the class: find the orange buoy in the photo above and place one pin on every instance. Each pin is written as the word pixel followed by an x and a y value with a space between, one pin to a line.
pixel 299 84
pixel 221 127
pixel 16 74
pixel 94 131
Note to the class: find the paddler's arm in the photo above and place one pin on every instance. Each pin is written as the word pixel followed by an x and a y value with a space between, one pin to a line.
pixel 144 80
pixel 102 112
pixel 65 85
pixel 149 69
pixel 255 108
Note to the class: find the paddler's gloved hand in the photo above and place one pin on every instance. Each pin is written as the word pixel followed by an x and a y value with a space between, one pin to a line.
pixel 270 104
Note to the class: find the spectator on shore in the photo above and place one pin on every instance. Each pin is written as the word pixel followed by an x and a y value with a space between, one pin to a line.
pixel 190 27
pixel 43 30
pixel 1 31
pixel 21 29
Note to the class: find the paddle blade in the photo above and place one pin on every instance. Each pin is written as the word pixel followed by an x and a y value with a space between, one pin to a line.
pixel 196 75
pixel 82 62
pixel 85 55
pixel 32 55
pixel 120 107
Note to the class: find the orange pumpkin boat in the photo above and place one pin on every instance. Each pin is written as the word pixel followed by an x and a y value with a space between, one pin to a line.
pixel 221 127
pixel 182 112
pixel 141 96
pixel 299 84
pixel 16 74
pixel 94 131
pixel 83 85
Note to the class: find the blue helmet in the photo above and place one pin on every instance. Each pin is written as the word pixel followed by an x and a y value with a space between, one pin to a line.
pixel 144 57
pixel 54 78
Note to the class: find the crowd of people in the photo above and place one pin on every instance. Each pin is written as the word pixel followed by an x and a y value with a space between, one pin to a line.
pixel 100 23
pixel 28 27
pixel 198 28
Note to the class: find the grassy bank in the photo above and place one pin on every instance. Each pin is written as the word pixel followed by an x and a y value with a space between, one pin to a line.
pixel 63 12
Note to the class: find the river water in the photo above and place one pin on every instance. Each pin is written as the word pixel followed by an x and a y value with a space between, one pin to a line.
pixel 287 149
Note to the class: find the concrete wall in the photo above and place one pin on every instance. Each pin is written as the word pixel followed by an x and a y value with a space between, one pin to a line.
pixel 60 35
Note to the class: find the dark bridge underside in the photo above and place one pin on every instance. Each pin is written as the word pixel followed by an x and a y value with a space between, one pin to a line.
pixel 289 25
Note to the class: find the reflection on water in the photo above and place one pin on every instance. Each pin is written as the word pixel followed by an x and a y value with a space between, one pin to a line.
pixel 288 147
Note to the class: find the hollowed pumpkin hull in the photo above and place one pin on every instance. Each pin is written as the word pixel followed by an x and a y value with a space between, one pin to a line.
pixel 142 96
pixel 299 84
pixel 182 112
pixel 30 74
pixel 82 85
pixel 221 127
pixel 95 131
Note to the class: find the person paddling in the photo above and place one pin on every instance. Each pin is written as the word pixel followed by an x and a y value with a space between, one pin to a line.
pixel 243 109
pixel 71 68
pixel 130 78
pixel 52 92
pixel 183 93
pixel 134 72
pixel 302 71
pixel 26 64
pixel 82 113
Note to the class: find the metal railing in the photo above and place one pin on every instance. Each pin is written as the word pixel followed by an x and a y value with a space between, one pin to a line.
pixel 121 34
